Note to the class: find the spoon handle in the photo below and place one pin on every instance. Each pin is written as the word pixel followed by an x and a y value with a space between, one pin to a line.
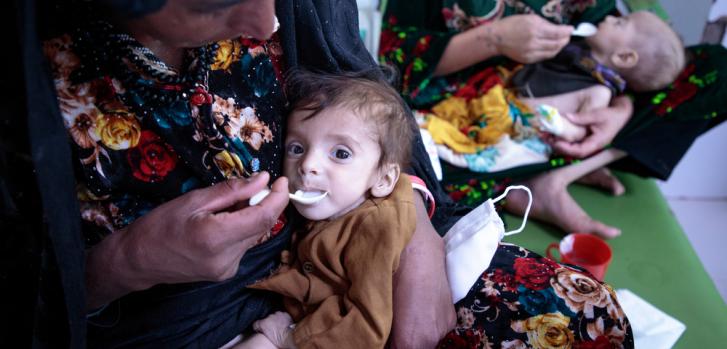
pixel 255 199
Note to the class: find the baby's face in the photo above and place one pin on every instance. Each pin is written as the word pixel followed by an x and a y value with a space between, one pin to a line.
pixel 616 32
pixel 336 152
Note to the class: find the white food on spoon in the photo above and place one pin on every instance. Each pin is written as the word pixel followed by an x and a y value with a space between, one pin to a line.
pixel 585 29
pixel 303 197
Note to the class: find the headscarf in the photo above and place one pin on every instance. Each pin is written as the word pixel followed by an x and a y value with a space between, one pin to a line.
pixel 134 8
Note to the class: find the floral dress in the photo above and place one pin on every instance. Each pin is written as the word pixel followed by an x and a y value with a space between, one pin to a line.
pixel 142 134
pixel 141 141
pixel 524 300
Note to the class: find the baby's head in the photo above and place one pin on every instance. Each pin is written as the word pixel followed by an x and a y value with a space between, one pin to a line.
pixel 348 135
pixel 641 47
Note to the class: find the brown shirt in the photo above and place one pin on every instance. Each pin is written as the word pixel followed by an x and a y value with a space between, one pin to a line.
pixel 339 287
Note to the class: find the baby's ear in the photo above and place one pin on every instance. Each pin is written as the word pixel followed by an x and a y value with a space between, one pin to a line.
pixel 384 185
pixel 625 58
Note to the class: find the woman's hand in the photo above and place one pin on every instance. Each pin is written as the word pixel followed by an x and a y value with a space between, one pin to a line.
pixel 199 236
pixel 524 38
pixel 603 124
pixel 529 38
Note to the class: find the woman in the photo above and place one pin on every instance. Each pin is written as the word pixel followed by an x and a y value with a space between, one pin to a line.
pixel 444 47
pixel 167 112
pixel 144 281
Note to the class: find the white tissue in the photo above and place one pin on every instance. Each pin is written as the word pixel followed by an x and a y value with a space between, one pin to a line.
pixel 653 329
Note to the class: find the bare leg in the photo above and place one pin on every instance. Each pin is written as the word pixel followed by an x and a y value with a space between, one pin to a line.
pixel 553 204
pixel 604 179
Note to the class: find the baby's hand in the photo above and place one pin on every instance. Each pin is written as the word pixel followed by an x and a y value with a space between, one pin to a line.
pixel 278 328
pixel 551 121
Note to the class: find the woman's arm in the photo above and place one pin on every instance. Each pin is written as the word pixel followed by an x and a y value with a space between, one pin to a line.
pixel 422 279
pixel 523 38
pixel 199 236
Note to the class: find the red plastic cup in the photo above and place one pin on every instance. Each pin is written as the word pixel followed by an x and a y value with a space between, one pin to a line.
pixel 584 250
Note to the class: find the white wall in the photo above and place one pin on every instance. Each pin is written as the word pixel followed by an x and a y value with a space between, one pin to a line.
pixel 702 173
pixel 688 17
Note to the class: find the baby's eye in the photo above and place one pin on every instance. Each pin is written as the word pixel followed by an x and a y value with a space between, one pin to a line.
pixel 295 149
pixel 341 154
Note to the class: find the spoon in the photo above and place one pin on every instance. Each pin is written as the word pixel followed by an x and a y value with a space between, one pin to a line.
pixel 299 196
pixel 585 29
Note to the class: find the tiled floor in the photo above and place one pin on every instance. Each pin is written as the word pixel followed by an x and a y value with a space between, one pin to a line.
pixel 705 222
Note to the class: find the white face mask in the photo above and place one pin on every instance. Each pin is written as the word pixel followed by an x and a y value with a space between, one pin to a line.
pixel 471 243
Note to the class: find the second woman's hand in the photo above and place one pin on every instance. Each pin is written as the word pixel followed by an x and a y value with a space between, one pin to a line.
pixel 529 38
pixel 523 38
pixel 603 125
pixel 199 236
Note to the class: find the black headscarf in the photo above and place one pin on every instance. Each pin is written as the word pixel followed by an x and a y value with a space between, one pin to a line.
pixel 134 8
pixel 42 292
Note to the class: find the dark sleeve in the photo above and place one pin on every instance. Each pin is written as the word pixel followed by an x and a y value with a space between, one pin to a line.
pixel 413 39
pixel 41 254
pixel 323 35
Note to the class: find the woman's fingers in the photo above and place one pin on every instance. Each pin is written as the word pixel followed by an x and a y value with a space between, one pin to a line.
pixel 587 118
pixel 555 32
pixel 224 195
pixel 530 38
pixel 579 150
pixel 259 218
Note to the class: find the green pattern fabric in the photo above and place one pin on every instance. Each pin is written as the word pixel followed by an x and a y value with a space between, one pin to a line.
pixel 414 37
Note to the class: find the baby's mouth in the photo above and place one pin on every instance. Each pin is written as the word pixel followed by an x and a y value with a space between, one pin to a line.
pixel 308 193
pixel 308 197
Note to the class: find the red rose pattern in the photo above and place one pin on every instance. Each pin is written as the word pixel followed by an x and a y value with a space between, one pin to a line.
pixel 152 159
pixel 200 96
pixel 534 273
pixel 601 342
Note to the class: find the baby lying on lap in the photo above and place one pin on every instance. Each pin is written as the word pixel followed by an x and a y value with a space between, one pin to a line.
pixel 639 51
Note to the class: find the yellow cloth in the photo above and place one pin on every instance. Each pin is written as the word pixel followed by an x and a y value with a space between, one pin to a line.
pixel 339 289
pixel 468 127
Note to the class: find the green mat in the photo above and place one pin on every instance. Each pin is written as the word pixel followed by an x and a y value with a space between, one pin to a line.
pixel 652 258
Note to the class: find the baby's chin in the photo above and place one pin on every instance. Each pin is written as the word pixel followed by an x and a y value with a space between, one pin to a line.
pixel 313 212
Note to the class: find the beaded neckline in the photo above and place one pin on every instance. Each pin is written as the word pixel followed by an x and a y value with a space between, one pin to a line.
pixel 138 69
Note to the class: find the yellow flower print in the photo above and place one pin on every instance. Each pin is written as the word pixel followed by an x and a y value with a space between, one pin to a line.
pixel 229 164
pixel 227 53
pixel 580 292
pixel 546 331
pixel 118 129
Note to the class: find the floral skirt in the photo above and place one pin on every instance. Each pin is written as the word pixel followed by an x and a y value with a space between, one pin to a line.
pixel 524 300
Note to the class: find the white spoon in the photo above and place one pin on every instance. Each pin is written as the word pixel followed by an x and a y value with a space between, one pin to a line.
pixel 585 29
pixel 299 196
